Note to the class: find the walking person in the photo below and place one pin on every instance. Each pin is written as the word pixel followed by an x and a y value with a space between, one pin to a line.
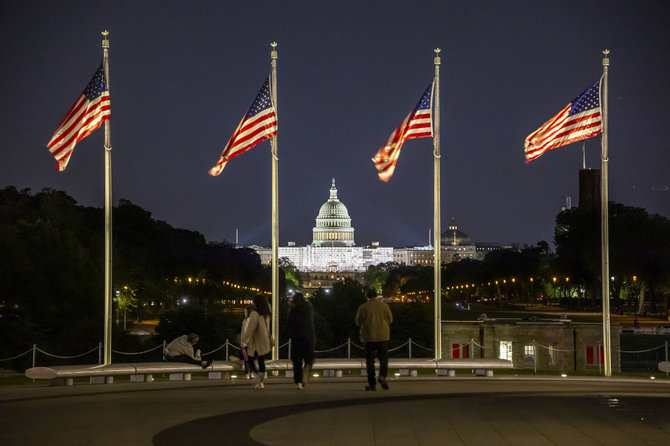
pixel 374 319
pixel 301 332
pixel 257 339
pixel 244 350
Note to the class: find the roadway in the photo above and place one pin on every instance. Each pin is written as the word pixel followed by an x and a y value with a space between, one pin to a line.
pixel 415 411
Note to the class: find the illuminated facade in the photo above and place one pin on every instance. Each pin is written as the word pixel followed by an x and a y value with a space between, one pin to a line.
pixel 333 247
pixel 456 245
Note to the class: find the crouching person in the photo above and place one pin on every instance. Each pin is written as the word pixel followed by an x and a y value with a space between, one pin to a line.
pixel 181 350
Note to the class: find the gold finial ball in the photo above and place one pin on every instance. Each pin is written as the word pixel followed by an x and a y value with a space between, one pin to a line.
pixel 606 52
pixel 105 33
pixel 274 44
pixel 437 50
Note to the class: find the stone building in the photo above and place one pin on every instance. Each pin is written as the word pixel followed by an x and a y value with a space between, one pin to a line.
pixel 552 344
pixel 456 245
pixel 333 248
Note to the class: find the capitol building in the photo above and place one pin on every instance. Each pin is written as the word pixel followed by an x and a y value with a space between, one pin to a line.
pixel 333 248
pixel 333 254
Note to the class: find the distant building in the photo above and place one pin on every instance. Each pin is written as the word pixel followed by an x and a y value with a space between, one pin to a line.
pixel 333 248
pixel 456 245
pixel 551 344
pixel 589 188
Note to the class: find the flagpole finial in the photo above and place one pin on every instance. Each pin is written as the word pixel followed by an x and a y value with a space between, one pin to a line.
pixel 606 57
pixel 273 53
pixel 105 41
pixel 437 56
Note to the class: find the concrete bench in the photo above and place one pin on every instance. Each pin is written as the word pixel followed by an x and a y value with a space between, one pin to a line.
pixel 331 367
pixel 138 372
pixel 406 367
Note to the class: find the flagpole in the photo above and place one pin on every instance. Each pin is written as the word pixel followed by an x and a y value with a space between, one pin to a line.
pixel 604 225
pixel 107 357
pixel 275 214
pixel 436 211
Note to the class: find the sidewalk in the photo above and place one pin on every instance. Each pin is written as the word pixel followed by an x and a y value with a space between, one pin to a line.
pixel 415 411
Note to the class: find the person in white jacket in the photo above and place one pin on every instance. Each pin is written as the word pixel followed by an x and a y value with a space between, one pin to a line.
pixel 256 337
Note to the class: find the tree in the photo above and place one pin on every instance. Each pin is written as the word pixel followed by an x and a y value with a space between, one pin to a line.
pixel 338 307
pixel 639 246
pixel 125 300
pixel 376 275
pixel 291 273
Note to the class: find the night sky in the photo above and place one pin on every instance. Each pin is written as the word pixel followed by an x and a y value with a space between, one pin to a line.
pixel 182 75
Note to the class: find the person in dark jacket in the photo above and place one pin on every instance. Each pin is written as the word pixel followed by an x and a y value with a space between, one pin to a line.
pixel 301 332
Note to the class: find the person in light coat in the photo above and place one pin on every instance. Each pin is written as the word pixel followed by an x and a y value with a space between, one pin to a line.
pixel 257 339
pixel 374 319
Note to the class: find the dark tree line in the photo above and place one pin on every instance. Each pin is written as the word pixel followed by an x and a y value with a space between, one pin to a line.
pixel 639 259
pixel 51 286
pixel 52 281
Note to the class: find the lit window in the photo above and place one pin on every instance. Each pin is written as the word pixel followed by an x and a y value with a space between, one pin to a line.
pixel 505 350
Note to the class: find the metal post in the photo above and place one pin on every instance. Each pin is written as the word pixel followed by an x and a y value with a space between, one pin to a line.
pixel 99 352
pixel 275 213
pixel 348 348
pixel 666 356
pixel 289 349
pixel 227 350
pixel 604 224
pixel 35 353
pixel 108 216
pixel 410 348
pixel 436 209
pixel 534 357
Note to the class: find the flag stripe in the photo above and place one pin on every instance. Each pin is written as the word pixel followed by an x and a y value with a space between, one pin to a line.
pixel 418 124
pixel 258 125
pixel 88 113
pixel 578 120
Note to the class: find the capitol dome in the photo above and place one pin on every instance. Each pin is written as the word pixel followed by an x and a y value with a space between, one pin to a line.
pixel 333 224
pixel 453 236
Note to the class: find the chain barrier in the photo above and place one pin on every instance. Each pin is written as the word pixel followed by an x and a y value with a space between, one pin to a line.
pixel 17 356
pixel 556 349
pixel 421 346
pixel 227 343
pixel 66 357
pixel 330 350
pixel 138 353
pixel 643 351
pixel 480 346
pixel 398 347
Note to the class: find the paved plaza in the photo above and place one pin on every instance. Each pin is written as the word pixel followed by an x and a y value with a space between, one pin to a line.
pixel 415 411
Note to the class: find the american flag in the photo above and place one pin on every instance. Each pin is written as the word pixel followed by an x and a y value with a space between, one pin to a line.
pixel 418 124
pixel 259 124
pixel 88 113
pixel 580 119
